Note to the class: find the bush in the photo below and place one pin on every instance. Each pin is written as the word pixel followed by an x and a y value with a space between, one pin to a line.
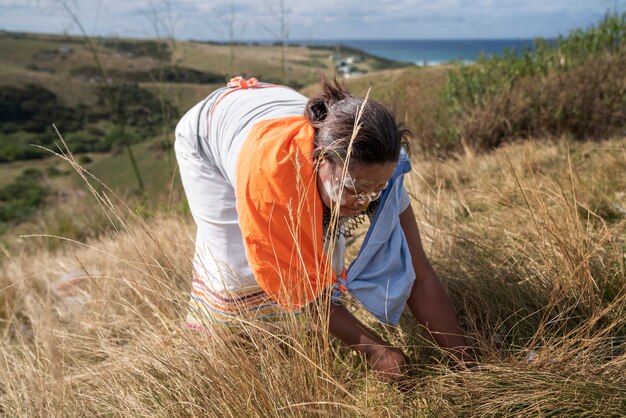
pixel 80 142
pixel 177 74
pixel 119 136
pixel 169 74
pixel 137 107
pixel 152 49
pixel 19 146
pixel 54 171
pixel 21 199
pixel 575 85
pixel 34 109
pixel 85 159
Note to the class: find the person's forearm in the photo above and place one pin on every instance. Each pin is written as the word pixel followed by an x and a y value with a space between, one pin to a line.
pixel 386 361
pixel 428 300
pixel 343 325
pixel 432 308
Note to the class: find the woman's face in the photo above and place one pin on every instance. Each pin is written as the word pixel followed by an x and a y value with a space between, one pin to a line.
pixel 361 185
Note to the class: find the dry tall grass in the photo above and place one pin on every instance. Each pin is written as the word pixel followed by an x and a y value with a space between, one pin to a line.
pixel 529 241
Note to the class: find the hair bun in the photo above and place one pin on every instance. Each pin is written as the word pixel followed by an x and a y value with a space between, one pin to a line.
pixel 316 110
pixel 333 114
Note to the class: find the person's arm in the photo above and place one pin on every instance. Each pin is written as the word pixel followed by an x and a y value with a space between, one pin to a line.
pixel 428 301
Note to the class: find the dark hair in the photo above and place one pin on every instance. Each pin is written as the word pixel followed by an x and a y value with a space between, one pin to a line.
pixel 333 113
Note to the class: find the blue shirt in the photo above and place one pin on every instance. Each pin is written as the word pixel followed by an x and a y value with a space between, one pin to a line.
pixel 381 277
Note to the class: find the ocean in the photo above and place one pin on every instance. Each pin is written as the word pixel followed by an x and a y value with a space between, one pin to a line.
pixel 428 52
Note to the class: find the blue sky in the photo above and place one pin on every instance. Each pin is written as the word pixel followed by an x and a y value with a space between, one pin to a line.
pixel 319 19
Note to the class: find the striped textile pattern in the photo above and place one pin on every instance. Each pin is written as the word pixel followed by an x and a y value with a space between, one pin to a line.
pixel 208 307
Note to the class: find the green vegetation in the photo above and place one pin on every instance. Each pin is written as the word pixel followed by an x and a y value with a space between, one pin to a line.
pixel 134 48
pixel 167 74
pixel 27 115
pixel 21 146
pixel 26 118
pixel 91 140
pixel 154 163
pixel 20 200
pixel 136 107
pixel 34 108
pixel 575 86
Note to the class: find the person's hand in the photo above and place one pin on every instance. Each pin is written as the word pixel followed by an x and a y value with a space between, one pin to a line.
pixel 463 358
pixel 388 364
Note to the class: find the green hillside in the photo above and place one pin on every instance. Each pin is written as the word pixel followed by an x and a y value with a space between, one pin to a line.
pixel 108 97
pixel 118 100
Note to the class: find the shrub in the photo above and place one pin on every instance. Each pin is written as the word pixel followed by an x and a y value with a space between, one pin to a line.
pixel 84 159
pixel 134 106
pixel 152 49
pixel 80 142
pixel 21 199
pixel 34 108
pixel 118 136
pixel 175 74
pixel 169 74
pixel 18 146
pixel 54 171
pixel 575 85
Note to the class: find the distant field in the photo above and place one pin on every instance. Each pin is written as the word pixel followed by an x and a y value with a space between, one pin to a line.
pixel 157 168
pixel 183 95
pixel 66 66
pixel 40 59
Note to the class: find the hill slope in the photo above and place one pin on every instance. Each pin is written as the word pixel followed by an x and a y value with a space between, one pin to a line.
pixel 529 242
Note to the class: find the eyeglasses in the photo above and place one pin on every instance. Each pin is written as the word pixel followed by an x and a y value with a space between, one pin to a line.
pixel 362 198
pixel 341 188
pixel 350 196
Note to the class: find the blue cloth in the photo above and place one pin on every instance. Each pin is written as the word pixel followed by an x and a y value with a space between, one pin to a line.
pixel 381 277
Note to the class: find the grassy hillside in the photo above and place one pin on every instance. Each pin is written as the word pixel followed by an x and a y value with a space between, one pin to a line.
pixel 156 165
pixel 450 110
pixel 54 61
pixel 108 96
pixel 529 241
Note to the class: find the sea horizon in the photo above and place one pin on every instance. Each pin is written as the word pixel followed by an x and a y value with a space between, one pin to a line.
pixel 422 51
pixel 415 51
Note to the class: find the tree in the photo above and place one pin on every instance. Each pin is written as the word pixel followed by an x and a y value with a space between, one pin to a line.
pixel 166 26
pixel 231 28
pixel 234 29
pixel 111 99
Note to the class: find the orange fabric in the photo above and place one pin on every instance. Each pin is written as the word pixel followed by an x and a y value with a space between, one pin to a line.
pixel 280 211
pixel 344 276
pixel 242 83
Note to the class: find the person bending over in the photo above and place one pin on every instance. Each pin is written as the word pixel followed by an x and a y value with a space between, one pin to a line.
pixel 275 183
